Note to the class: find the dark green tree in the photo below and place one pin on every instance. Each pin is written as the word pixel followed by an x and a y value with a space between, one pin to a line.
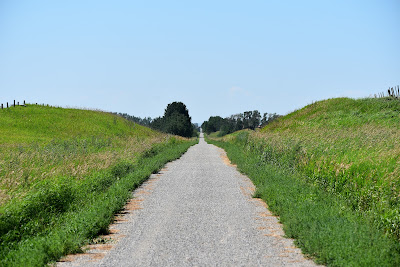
pixel 255 119
pixel 264 119
pixel 176 107
pixel 178 124
pixel 158 124
pixel 176 120
pixel 213 124
pixel 246 119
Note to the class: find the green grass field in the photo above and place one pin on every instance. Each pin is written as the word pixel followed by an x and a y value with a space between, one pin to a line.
pixel 65 173
pixel 39 142
pixel 342 150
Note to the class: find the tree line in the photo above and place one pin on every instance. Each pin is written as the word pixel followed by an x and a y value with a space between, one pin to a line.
pixel 145 121
pixel 176 120
pixel 236 122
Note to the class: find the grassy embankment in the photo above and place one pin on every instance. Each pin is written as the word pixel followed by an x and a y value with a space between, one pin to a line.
pixel 64 173
pixel 331 171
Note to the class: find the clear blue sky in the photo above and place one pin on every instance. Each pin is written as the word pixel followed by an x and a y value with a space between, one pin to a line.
pixel 217 57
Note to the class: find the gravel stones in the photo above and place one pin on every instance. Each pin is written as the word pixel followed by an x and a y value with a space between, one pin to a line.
pixel 198 211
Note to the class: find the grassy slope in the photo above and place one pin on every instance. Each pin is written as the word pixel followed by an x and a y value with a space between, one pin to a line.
pixel 39 143
pixel 43 124
pixel 65 172
pixel 350 147
pixel 330 170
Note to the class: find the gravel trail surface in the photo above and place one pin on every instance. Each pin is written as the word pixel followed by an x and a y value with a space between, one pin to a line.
pixel 198 211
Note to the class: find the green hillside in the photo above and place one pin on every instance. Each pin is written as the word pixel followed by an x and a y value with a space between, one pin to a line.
pixel 350 147
pixel 22 125
pixel 331 171
pixel 39 142
pixel 64 173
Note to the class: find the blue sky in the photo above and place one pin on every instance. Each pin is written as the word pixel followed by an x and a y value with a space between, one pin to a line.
pixel 217 57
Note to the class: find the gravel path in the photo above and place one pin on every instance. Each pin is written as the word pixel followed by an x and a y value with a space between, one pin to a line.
pixel 198 211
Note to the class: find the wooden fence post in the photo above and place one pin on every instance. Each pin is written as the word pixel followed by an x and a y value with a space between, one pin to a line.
pixel 7 104
pixel 14 103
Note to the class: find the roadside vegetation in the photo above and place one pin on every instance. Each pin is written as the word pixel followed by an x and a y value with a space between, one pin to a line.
pixel 64 173
pixel 331 171
pixel 246 120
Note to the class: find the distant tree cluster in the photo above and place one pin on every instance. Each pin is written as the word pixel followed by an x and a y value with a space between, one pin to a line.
pixel 145 121
pixel 245 120
pixel 176 120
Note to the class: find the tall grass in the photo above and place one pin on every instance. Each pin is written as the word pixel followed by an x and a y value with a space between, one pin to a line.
pixel 350 148
pixel 39 143
pixel 58 217
pixel 65 172
pixel 322 224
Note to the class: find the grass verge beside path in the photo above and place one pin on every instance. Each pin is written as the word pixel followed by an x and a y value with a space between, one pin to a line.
pixel 57 219
pixel 323 226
